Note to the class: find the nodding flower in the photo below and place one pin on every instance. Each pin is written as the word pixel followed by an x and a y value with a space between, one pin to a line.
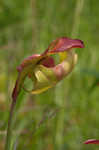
pixel 42 69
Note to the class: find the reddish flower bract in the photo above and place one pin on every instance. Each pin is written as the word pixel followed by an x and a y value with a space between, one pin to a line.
pixel 92 141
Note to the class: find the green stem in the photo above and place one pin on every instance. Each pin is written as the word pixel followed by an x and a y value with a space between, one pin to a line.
pixel 9 129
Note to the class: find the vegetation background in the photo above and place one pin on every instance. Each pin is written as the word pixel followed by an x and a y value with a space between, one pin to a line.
pixel 63 117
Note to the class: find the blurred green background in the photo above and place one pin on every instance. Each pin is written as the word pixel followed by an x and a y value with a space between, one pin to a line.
pixel 64 117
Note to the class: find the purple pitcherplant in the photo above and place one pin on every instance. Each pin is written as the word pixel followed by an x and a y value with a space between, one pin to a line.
pixel 41 68
pixel 43 71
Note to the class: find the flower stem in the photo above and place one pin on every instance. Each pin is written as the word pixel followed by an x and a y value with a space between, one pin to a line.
pixel 9 129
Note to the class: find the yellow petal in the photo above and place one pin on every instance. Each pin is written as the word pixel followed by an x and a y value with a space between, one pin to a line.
pixel 63 55
pixel 38 91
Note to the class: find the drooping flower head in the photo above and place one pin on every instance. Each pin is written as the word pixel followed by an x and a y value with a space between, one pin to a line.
pixel 41 68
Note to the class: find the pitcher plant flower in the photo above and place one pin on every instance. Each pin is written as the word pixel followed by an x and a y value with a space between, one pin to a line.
pixel 41 68
pixel 44 72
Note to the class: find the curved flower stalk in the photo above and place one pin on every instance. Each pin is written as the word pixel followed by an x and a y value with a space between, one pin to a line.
pixel 43 71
